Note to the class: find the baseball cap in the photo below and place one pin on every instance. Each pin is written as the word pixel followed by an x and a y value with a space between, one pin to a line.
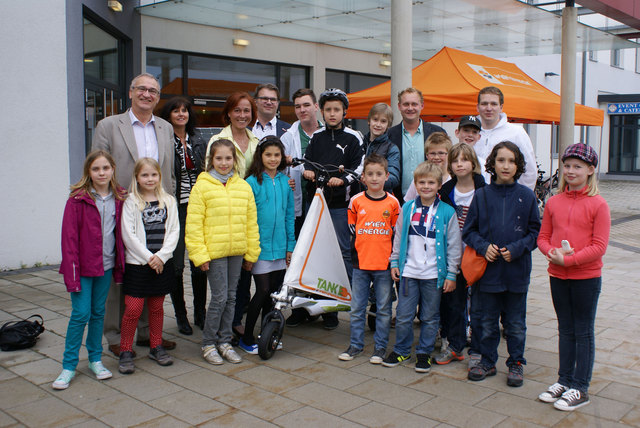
pixel 583 152
pixel 469 121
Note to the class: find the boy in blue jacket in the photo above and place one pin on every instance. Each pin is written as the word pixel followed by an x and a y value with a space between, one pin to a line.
pixel 426 255
pixel 503 224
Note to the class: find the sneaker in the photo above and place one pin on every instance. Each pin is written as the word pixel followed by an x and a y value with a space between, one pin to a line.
pixel 210 354
pixel 126 365
pixel 516 375
pixel 297 317
pixel 350 353
pixel 479 372
pixel 474 360
pixel 394 359
pixel 159 355
pixel 553 393
pixel 378 356
pixel 330 323
pixel 62 382
pixel 423 363
pixel 229 354
pixel 571 400
pixel 449 355
pixel 99 370
pixel 249 349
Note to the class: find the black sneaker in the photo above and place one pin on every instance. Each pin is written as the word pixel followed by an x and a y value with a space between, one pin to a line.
pixel 516 375
pixel 553 393
pixel 297 317
pixel 480 372
pixel 393 359
pixel 330 321
pixel 126 365
pixel 571 400
pixel 423 363
pixel 159 355
pixel 350 353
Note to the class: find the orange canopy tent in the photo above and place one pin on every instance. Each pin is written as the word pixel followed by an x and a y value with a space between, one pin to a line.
pixel 450 82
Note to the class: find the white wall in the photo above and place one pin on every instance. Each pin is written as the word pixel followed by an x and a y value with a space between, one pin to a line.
pixel 34 166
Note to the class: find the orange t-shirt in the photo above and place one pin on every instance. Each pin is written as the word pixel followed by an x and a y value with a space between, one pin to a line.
pixel 371 222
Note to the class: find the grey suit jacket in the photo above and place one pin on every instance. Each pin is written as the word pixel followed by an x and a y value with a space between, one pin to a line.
pixel 114 134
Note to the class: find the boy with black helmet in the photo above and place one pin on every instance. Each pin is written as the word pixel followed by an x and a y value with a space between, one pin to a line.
pixel 335 145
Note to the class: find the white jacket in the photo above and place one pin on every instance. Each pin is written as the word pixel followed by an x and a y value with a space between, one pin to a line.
pixel 517 135
pixel 291 142
pixel 135 238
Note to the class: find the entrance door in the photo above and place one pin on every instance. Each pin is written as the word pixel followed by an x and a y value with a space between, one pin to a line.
pixel 624 144
pixel 99 102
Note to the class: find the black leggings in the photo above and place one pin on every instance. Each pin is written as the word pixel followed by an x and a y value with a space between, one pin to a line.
pixel 266 284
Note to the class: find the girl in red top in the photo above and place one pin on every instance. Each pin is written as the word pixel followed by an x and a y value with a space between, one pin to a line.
pixel 574 237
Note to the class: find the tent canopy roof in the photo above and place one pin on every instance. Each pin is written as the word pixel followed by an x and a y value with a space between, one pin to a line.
pixel 450 82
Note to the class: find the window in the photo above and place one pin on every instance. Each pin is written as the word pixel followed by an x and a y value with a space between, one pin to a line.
pixel 637 59
pixel 624 144
pixel 555 138
pixel 167 67
pixel 616 58
pixel 593 56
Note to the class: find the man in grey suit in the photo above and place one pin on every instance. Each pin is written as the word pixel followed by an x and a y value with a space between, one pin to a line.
pixel 135 134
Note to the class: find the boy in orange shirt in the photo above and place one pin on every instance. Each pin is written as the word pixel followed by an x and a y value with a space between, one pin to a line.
pixel 372 217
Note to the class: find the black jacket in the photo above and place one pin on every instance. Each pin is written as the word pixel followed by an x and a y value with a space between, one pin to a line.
pixel 198 151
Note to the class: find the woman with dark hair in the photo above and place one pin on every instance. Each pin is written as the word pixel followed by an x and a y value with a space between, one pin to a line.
pixel 239 114
pixel 189 162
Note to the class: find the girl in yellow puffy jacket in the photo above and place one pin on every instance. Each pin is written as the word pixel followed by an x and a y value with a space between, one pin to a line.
pixel 221 230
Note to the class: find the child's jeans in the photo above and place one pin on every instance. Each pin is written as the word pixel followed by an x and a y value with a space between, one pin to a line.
pixel 413 291
pixel 223 277
pixel 452 315
pixel 514 306
pixel 575 302
pixel 87 306
pixel 382 284
pixel 475 318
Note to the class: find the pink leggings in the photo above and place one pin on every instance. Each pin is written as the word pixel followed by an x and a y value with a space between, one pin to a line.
pixel 132 312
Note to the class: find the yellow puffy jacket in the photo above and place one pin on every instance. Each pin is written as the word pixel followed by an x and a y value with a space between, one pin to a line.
pixel 221 220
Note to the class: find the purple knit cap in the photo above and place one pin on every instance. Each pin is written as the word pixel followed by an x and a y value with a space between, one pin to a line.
pixel 583 152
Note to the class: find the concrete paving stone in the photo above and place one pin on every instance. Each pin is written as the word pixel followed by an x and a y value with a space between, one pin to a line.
pixel 329 355
pixel 620 392
pixel 298 345
pixel 459 391
pixel 49 412
pixel 18 391
pixel 633 417
pixel 326 398
pixel 310 417
pixel 457 413
pixel 16 305
pixel 6 374
pixel 121 410
pixel 83 389
pixel 226 369
pixel 538 331
pixel 542 358
pixel 402 375
pixel 530 389
pixel 329 375
pixel 529 410
pixel 287 361
pixel 380 415
pixel 50 274
pixel 454 370
pixel 262 404
pixel 517 423
pixel 144 386
pixel 38 372
pixel 270 379
pixel 6 420
pixel 46 314
pixel 616 374
pixel 150 366
pixel 13 358
pixel 207 382
pixel 57 326
pixel 236 418
pixel 577 419
pixel 190 406
pixel 163 421
pixel 542 344
pixel 31 280
pixel 606 408
pixel 616 358
pixel 4 297
pixel 397 396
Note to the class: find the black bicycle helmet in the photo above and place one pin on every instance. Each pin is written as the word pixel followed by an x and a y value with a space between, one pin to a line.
pixel 334 94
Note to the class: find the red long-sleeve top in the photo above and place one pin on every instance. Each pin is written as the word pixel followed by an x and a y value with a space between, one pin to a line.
pixel 585 222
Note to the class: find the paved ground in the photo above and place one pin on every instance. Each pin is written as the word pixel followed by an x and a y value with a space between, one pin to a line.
pixel 307 385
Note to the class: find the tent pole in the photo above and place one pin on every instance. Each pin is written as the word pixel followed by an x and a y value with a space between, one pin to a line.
pixel 568 75
pixel 401 51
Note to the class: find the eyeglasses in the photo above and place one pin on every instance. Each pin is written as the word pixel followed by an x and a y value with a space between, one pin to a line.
pixel 143 89
pixel 438 154
pixel 267 99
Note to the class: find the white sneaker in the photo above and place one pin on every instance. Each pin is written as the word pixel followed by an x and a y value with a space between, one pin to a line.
pixel 62 382
pixel 100 370
pixel 571 400
pixel 210 354
pixel 229 354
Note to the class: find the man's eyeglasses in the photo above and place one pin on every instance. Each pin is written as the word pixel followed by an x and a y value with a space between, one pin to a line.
pixel 143 89
pixel 267 99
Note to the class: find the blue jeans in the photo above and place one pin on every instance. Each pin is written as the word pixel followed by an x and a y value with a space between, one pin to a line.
pixel 453 315
pixel 575 302
pixel 87 306
pixel 475 318
pixel 341 226
pixel 414 291
pixel 514 309
pixel 360 295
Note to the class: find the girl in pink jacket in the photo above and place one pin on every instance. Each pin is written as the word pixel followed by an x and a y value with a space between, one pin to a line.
pixel 92 253
pixel 574 237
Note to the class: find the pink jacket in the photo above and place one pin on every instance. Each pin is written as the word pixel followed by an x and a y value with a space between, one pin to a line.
pixel 585 222
pixel 82 241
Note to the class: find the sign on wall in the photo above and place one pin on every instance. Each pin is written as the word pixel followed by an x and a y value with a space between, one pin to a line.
pixel 623 108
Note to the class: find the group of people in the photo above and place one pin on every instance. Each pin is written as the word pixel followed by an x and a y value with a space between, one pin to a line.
pixel 237 204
